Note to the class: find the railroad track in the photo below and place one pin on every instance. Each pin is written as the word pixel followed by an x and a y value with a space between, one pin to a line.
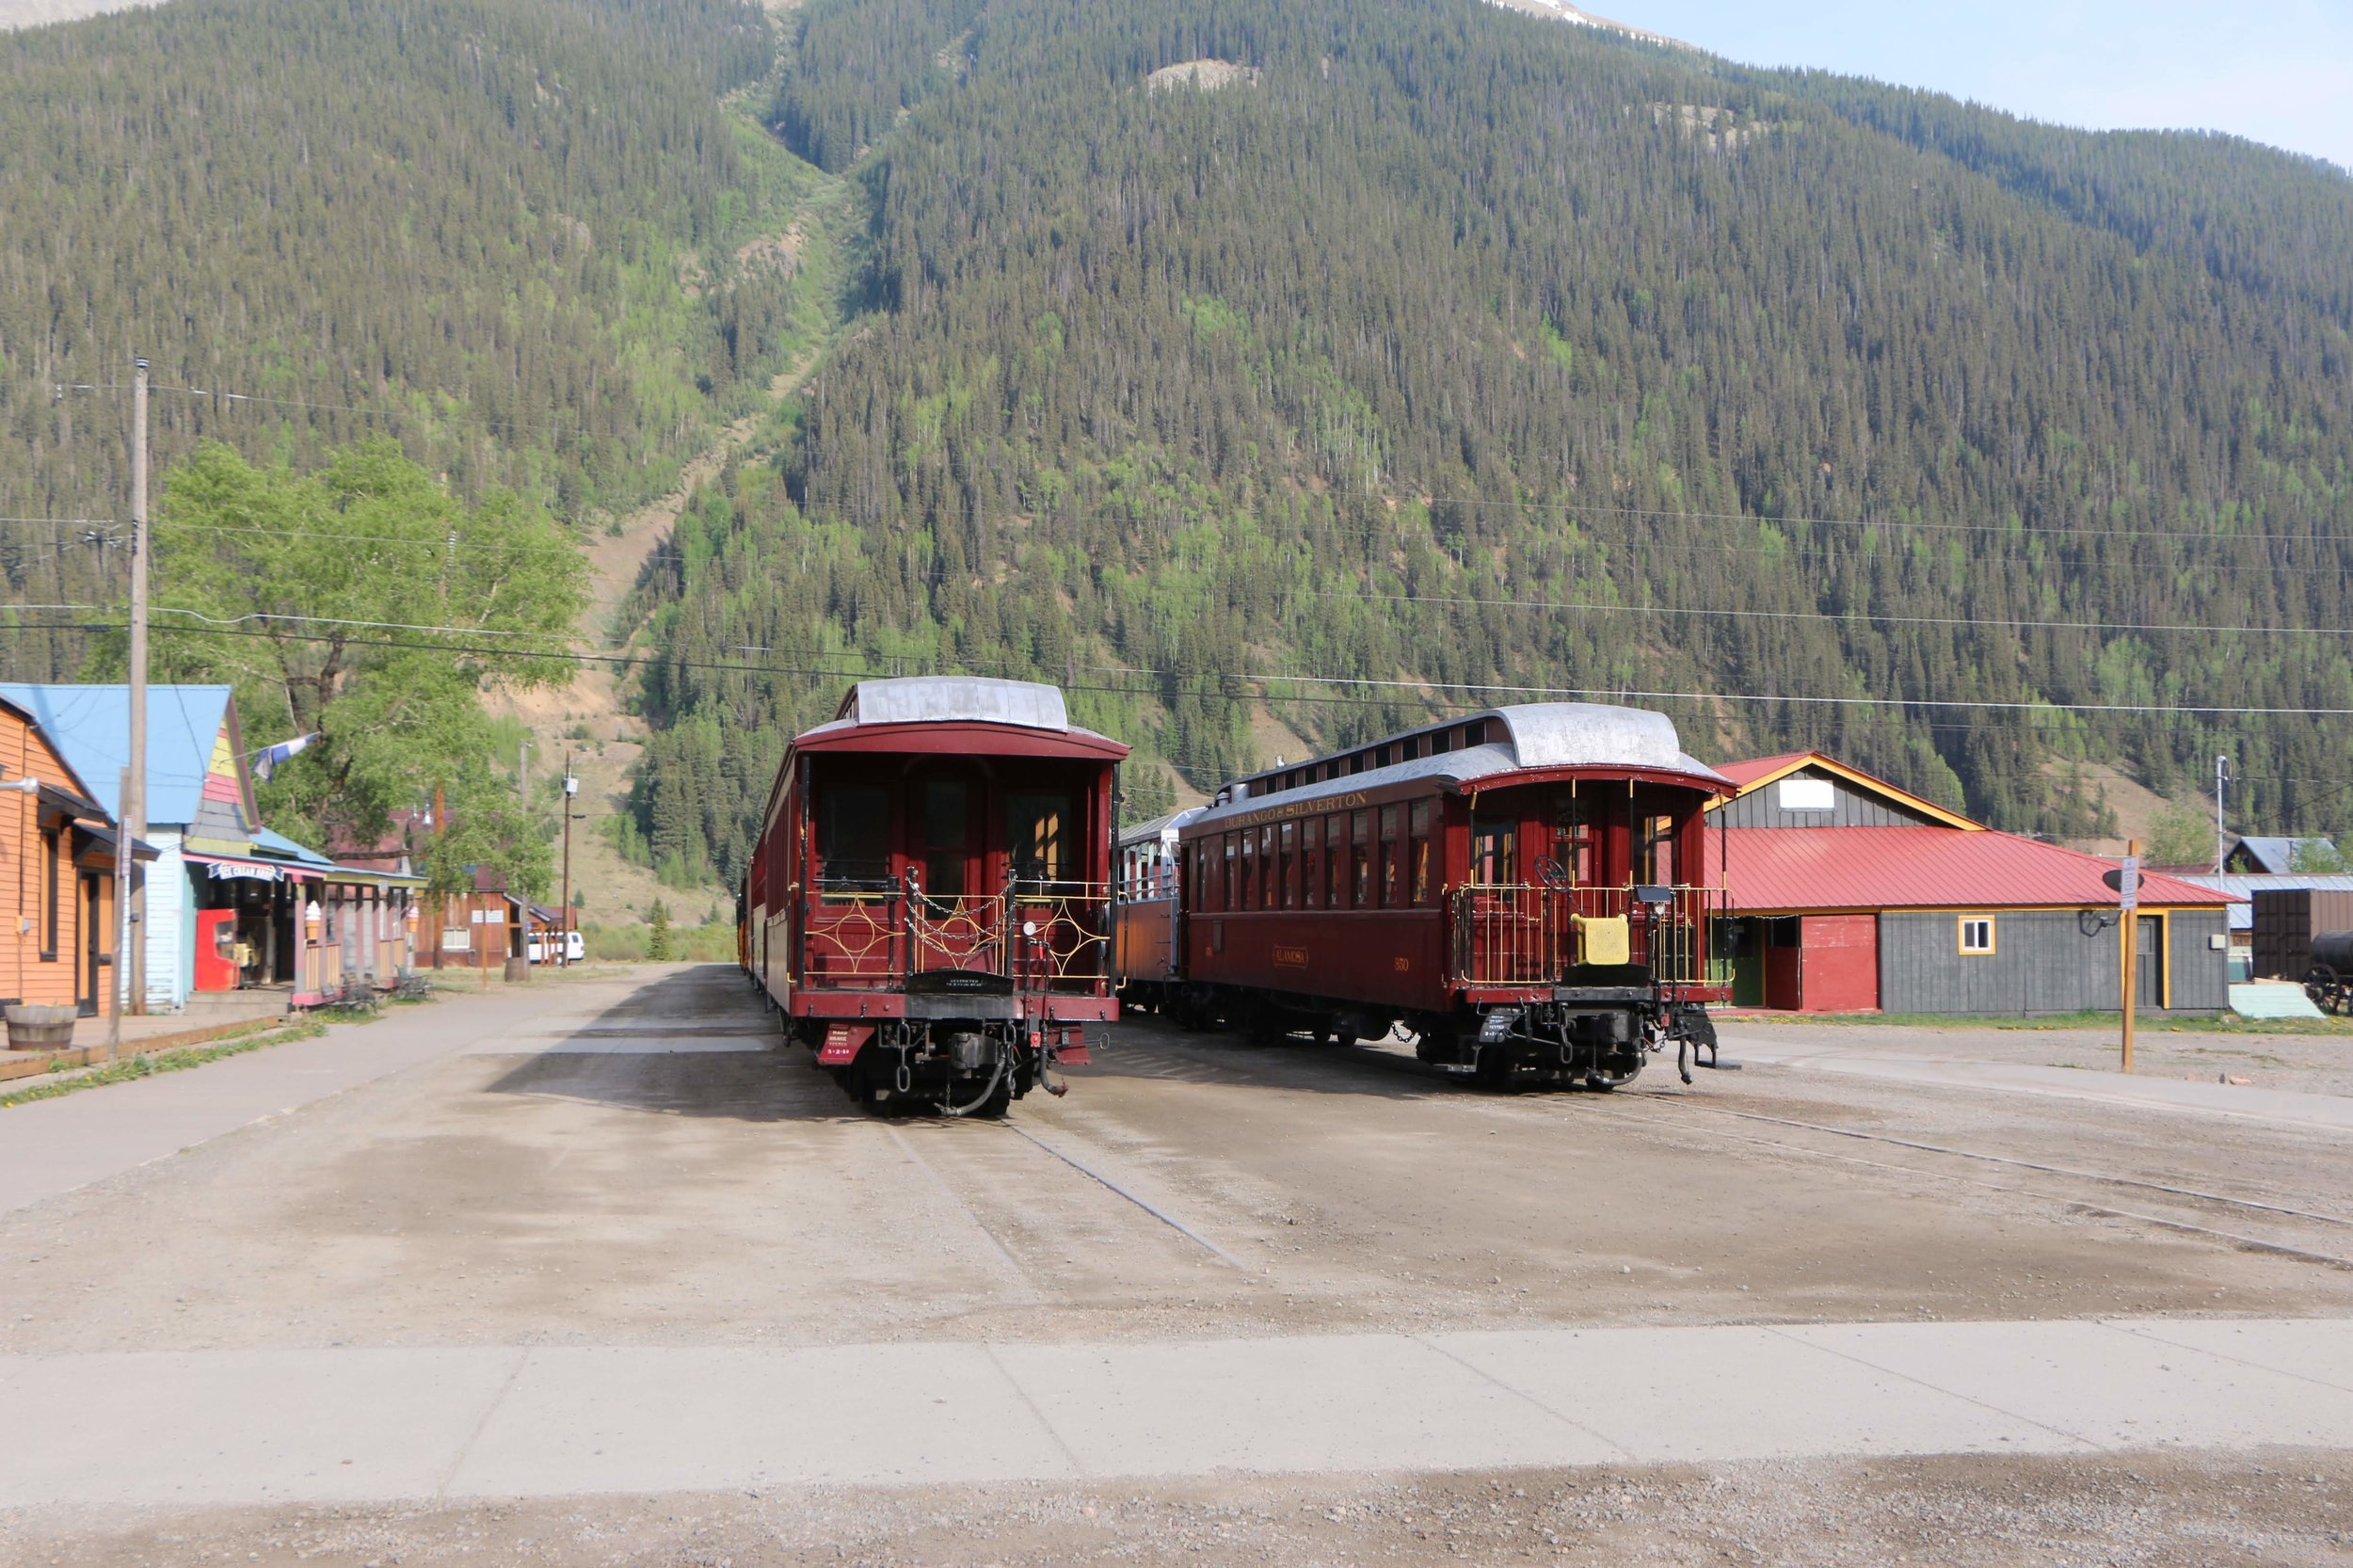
pixel 1690 1114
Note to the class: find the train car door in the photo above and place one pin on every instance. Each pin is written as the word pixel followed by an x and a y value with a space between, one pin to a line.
pixel 944 833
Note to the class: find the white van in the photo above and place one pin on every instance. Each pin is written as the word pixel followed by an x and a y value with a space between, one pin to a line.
pixel 544 949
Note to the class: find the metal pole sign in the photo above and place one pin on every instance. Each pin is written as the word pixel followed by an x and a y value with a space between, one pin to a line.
pixel 2128 927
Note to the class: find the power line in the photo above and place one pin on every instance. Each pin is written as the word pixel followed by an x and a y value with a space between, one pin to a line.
pixel 1863 616
pixel 1429 690
pixel 64 387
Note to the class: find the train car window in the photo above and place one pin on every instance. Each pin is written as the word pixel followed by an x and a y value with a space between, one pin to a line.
pixel 1573 840
pixel 1311 863
pixel 1290 865
pixel 1418 839
pixel 1233 875
pixel 1268 872
pixel 1438 742
pixel 1037 837
pixel 1390 870
pixel 1658 850
pixel 946 828
pixel 1492 843
pixel 1360 859
pixel 853 835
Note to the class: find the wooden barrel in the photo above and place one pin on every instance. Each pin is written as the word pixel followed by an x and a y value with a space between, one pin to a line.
pixel 33 1027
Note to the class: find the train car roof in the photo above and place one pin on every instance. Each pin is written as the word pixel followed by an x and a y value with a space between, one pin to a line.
pixel 1156 826
pixel 881 716
pixel 1536 735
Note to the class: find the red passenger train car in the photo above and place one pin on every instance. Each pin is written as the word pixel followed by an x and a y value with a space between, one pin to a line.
pixel 929 903
pixel 1518 888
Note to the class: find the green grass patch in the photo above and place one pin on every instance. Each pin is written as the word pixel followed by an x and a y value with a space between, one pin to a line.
pixel 147 1064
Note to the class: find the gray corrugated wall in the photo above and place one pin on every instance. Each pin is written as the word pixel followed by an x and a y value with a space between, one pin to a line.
pixel 1761 809
pixel 2201 977
pixel 2042 963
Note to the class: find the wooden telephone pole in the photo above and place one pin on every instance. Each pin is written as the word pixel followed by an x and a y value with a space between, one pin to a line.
pixel 131 810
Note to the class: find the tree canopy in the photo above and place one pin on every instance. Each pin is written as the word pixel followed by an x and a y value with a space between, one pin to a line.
pixel 366 604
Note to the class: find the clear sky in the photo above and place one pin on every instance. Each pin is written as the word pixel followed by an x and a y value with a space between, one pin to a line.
pixel 2279 72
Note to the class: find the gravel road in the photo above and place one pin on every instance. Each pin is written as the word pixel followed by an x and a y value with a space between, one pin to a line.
pixel 639 1168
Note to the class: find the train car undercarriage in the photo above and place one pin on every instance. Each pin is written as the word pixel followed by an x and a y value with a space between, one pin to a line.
pixel 1599 1035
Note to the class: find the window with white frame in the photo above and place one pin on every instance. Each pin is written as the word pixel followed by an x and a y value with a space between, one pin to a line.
pixel 1977 935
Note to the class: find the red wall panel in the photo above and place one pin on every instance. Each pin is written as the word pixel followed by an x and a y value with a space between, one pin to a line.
pixel 1842 964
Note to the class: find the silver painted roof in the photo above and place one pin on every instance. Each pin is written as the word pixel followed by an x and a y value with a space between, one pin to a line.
pixel 1159 826
pixel 1543 735
pixel 2243 886
pixel 935 698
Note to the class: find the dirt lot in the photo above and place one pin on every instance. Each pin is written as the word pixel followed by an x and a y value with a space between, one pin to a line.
pixel 2291 1511
pixel 571 1187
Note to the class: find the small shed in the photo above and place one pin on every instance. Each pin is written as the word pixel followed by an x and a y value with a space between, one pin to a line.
pixel 1851 894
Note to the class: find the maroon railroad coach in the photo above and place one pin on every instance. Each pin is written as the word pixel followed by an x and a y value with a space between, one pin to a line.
pixel 929 904
pixel 1518 888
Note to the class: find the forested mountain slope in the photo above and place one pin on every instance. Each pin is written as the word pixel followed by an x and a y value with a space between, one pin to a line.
pixel 504 231
pixel 1457 347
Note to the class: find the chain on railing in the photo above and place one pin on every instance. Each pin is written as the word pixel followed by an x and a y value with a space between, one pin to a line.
pixel 1521 934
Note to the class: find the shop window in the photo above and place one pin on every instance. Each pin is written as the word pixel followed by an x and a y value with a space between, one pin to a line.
pixel 1360 859
pixel 53 861
pixel 1417 838
pixel 1492 846
pixel 853 835
pixel 1977 935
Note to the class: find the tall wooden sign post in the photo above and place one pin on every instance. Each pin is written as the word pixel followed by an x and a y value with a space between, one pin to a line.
pixel 2128 925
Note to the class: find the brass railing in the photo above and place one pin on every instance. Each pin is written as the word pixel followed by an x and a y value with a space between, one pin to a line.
pixel 1522 934
pixel 1041 935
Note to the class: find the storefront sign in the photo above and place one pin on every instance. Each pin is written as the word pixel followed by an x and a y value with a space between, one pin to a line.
pixel 229 870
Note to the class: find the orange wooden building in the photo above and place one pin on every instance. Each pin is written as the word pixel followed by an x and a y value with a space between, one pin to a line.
pixel 58 862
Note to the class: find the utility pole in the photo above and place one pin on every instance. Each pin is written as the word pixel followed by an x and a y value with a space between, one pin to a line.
pixel 572 786
pixel 440 826
pixel 2128 925
pixel 2221 778
pixel 131 825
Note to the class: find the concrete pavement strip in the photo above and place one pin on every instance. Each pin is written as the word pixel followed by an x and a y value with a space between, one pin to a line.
pixel 251 1427
pixel 53 1146
pixel 2273 1107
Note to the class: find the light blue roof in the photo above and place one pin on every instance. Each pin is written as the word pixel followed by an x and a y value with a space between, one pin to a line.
pixel 277 846
pixel 2243 886
pixel 92 726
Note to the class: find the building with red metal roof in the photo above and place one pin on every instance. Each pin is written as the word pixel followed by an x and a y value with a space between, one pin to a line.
pixel 1850 894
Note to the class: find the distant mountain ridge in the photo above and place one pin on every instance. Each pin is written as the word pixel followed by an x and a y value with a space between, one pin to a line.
pixel 1561 10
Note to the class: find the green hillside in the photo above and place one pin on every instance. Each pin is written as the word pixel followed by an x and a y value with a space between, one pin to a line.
pixel 504 231
pixel 1440 355
pixel 1462 348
